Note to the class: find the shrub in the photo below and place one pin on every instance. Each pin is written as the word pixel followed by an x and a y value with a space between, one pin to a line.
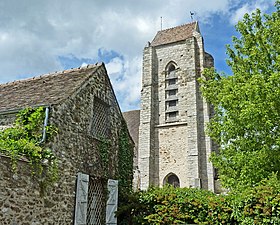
pixel 169 205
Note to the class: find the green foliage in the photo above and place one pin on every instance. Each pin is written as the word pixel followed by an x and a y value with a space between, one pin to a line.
pixel 23 140
pixel 168 205
pixel 258 205
pixel 246 124
pixel 127 199
pixel 130 210
pixel 104 148
pixel 125 159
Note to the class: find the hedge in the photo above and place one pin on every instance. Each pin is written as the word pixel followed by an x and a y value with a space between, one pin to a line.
pixel 169 205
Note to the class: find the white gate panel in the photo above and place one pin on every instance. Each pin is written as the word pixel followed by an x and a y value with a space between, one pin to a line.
pixel 81 199
pixel 112 202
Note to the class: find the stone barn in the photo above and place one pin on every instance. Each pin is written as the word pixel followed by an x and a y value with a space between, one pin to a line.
pixel 82 105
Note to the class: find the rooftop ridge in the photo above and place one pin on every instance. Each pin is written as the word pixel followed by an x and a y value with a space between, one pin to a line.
pixel 133 110
pixel 182 25
pixel 47 89
pixel 56 73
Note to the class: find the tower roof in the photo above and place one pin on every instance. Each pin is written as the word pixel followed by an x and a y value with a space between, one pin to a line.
pixel 175 34
pixel 43 90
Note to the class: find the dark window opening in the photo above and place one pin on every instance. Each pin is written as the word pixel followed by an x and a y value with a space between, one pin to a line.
pixel 171 68
pixel 172 115
pixel 171 71
pixel 172 82
pixel 172 179
pixel 172 103
pixel 172 92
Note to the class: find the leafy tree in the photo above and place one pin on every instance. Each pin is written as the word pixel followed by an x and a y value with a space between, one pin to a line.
pixel 246 124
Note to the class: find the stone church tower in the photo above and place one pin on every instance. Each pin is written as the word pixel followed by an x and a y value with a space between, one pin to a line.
pixel 173 146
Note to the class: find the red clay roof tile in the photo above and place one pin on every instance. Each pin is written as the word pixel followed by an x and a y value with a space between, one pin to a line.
pixel 174 34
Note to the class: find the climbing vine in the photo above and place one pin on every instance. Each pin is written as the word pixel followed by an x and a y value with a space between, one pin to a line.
pixel 24 140
pixel 125 159
pixel 125 166
pixel 104 148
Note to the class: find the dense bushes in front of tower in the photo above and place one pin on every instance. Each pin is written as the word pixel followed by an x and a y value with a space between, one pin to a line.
pixel 168 205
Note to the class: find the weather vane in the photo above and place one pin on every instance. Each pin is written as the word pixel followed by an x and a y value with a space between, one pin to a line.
pixel 192 14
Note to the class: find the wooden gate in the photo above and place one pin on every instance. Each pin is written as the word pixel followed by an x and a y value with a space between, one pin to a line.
pixel 91 206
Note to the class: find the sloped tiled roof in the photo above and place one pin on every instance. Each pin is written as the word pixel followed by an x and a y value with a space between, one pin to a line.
pixel 175 34
pixel 132 119
pixel 43 90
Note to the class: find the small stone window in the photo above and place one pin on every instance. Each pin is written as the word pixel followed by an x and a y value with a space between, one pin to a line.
pixel 100 121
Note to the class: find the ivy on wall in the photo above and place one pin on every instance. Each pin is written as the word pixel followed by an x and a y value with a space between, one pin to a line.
pixel 125 159
pixel 104 148
pixel 23 140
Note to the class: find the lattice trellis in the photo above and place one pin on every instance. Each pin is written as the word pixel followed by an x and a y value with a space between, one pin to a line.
pixel 96 208
pixel 100 121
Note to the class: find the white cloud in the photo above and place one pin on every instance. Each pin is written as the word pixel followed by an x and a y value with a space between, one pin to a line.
pixel 115 66
pixel 125 75
pixel 238 14
pixel 33 34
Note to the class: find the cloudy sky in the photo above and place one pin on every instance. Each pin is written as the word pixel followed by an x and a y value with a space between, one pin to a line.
pixel 38 37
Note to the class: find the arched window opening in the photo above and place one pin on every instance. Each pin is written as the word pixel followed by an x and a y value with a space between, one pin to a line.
pixel 172 179
pixel 171 70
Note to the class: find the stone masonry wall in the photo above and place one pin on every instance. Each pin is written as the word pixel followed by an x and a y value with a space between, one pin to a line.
pixel 22 204
pixel 77 151
pixel 146 156
pixel 6 120
pixel 173 153
pixel 206 171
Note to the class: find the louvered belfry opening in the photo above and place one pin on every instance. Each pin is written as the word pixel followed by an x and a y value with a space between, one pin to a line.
pixel 96 208
pixel 171 94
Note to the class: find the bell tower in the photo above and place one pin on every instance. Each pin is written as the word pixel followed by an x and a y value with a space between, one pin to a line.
pixel 173 146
